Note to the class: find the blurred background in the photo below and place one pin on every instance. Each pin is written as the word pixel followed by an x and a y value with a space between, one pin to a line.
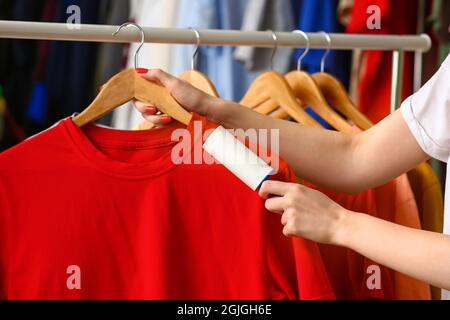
pixel 44 81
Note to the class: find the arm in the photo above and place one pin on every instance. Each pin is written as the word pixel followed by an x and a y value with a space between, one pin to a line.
pixel 325 157
pixel 330 158
pixel 308 213
pixel 418 253
pixel 338 161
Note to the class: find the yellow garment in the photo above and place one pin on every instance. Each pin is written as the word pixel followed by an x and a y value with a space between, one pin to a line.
pixel 428 193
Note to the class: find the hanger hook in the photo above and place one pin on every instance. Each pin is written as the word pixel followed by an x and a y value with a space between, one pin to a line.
pixel 300 59
pixel 275 47
pixel 328 39
pixel 197 46
pixel 132 24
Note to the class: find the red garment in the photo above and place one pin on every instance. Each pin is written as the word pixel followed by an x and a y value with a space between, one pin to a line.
pixel 348 270
pixel 397 17
pixel 138 226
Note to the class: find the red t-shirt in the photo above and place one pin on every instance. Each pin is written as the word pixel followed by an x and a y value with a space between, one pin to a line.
pixel 374 87
pixel 97 213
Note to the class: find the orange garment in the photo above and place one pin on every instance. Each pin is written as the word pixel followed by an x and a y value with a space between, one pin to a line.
pixel 428 194
pixel 396 202
pixel 348 270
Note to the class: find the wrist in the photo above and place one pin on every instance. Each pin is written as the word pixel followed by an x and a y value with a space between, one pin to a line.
pixel 216 110
pixel 345 227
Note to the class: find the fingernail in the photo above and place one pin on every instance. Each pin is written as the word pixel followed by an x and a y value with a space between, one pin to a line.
pixel 150 110
pixel 141 70
pixel 165 119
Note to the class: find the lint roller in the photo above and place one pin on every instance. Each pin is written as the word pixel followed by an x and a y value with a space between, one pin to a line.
pixel 237 158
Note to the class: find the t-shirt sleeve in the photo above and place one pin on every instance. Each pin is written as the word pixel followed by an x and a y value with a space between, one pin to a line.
pixel 427 113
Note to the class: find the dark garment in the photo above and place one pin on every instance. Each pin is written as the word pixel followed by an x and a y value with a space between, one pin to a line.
pixel 71 66
pixel 20 55
pixel 17 60
pixel 37 113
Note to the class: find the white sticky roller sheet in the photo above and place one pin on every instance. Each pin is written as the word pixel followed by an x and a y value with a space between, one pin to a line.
pixel 237 158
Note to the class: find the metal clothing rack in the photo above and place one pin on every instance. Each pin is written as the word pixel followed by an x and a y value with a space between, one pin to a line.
pixel 103 33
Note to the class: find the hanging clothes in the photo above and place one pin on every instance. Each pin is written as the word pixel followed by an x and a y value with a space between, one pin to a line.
pixel 37 113
pixel 315 16
pixel 230 77
pixel 320 15
pixel 111 58
pixel 427 114
pixel 440 20
pixel 156 13
pixel 275 15
pixel 348 270
pixel 113 205
pixel 19 57
pixel 69 74
pixel 397 17
pixel 428 194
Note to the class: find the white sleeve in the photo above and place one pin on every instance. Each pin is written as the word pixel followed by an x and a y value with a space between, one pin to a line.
pixel 427 113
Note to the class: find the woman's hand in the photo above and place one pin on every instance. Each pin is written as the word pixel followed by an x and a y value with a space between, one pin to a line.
pixel 191 98
pixel 305 212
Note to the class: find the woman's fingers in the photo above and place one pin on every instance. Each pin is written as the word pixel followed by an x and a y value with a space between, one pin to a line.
pixel 157 119
pixel 273 187
pixel 149 113
pixel 143 107
pixel 276 204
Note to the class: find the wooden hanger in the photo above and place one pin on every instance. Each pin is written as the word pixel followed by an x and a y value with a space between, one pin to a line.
pixel 335 93
pixel 272 85
pixel 127 85
pixel 197 78
pixel 200 81
pixel 306 89
pixel 194 77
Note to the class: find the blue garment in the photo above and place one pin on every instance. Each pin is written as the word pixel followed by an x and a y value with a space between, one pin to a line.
pixel 315 16
pixel 37 107
pixel 230 77
pixel 320 15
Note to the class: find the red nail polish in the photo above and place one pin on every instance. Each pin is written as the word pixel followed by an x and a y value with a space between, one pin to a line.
pixel 151 110
pixel 141 70
pixel 166 119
